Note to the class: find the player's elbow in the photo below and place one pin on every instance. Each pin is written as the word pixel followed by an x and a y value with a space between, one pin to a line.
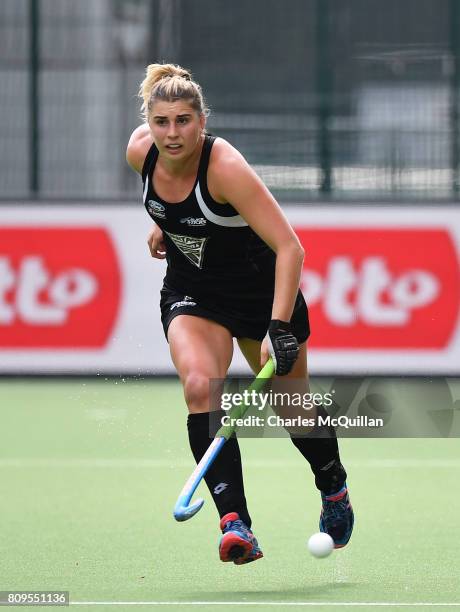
pixel 291 249
pixel 297 249
pixel 291 254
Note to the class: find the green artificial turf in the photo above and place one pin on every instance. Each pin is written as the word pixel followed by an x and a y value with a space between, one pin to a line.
pixel 91 469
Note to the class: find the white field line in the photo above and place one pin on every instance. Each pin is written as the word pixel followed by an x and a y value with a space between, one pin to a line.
pixel 265 603
pixel 31 462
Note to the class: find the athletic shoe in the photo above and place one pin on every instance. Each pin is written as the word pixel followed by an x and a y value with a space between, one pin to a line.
pixel 337 517
pixel 238 543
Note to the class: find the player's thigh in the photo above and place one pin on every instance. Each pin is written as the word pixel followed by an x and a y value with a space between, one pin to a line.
pixel 251 351
pixel 199 346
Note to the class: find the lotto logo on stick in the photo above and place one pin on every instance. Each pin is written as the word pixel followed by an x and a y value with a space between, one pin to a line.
pixel 59 287
pixel 380 288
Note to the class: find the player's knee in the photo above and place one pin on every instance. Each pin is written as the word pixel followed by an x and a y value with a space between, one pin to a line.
pixel 196 392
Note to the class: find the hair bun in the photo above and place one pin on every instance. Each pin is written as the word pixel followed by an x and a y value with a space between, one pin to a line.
pixel 180 72
pixel 159 81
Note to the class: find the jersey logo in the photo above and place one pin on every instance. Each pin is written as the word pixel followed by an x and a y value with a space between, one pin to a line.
pixel 192 248
pixel 187 301
pixel 156 209
pixel 194 221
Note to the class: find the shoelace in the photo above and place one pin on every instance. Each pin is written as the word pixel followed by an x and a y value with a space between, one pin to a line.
pixel 335 509
pixel 238 524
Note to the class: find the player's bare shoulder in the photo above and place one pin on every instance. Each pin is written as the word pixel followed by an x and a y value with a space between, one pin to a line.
pixel 138 147
pixel 224 154
pixel 225 164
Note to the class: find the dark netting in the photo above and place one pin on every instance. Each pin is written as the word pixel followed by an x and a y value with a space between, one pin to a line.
pixel 355 99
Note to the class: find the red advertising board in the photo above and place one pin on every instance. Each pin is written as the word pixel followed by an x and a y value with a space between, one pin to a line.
pixel 60 287
pixel 79 291
pixel 380 288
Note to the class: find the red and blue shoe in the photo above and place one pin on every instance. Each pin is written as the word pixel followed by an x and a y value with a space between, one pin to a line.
pixel 238 543
pixel 337 517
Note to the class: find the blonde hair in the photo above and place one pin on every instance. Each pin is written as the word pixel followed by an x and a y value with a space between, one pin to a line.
pixel 170 82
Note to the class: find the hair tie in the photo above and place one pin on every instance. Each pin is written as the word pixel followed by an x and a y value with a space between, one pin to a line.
pixel 174 74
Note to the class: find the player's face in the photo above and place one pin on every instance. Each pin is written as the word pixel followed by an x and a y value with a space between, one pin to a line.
pixel 176 128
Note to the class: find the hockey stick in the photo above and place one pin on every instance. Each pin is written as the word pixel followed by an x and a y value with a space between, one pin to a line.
pixel 183 510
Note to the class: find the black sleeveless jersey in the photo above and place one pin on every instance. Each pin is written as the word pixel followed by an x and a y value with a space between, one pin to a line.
pixel 211 252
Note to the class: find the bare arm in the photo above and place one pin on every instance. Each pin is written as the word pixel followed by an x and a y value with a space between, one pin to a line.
pixel 234 181
pixel 138 147
pixel 136 151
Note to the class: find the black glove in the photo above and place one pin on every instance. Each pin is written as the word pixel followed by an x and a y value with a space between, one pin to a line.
pixel 283 346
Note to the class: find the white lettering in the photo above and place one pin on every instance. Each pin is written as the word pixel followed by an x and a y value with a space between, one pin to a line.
pixel 415 288
pixel 6 284
pixel 34 280
pixel 369 293
pixel 341 280
pixel 39 299
pixel 375 279
pixel 312 286
pixel 73 288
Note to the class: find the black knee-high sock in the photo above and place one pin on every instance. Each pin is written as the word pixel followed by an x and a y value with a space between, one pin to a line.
pixel 321 450
pixel 225 476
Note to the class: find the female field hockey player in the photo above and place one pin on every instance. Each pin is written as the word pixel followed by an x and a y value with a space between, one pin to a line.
pixel 233 270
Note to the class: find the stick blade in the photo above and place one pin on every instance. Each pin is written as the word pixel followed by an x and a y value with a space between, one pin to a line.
pixel 182 512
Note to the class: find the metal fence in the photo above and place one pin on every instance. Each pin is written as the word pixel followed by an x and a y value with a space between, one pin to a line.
pixel 356 99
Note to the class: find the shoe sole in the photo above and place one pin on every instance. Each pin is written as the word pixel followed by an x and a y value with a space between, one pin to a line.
pixel 236 549
pixel 258 555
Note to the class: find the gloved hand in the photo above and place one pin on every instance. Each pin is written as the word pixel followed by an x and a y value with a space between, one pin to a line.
pixel 282 346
